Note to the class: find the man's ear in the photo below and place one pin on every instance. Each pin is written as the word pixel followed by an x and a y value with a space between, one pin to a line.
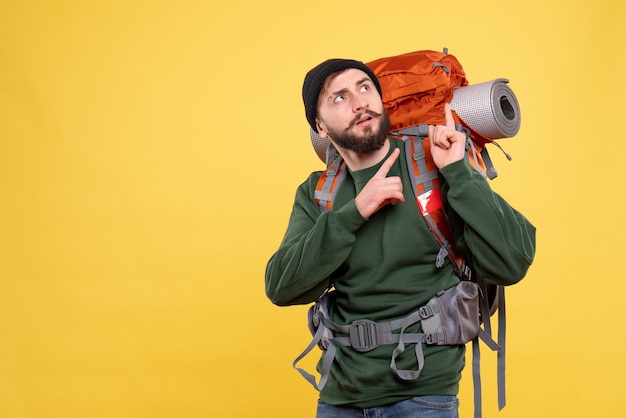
pixel 320 129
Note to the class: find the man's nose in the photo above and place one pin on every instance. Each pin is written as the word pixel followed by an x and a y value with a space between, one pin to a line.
pixel 360 103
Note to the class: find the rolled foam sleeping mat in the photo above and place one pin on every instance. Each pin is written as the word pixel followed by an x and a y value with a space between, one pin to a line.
pixel 490 108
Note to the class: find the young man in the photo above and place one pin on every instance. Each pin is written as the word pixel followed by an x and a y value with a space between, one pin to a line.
pixel 377 252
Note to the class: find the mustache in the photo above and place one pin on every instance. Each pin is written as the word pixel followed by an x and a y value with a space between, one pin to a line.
pixel 360 115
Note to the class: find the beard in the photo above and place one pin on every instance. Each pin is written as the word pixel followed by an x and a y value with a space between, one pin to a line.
pixel 367 143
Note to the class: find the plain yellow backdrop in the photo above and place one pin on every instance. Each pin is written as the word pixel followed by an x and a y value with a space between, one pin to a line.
pixel 149 154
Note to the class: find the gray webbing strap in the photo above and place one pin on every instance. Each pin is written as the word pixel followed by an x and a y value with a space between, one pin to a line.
pixel 482 335
pixel 478 398
pixel 445 67
pixel 327 363
pixel 335 169
pixel 485 335
pixel 309 377
pixel 492 173
pixel 471 153
pixel 419 353
pixel 418 130
pixel 425 176
pixel 502 351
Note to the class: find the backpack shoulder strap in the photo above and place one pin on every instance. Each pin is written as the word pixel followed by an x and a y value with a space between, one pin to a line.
pixel 331 179
pixel 425 182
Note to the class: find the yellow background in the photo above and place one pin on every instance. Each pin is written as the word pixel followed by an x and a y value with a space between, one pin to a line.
pixel 149 154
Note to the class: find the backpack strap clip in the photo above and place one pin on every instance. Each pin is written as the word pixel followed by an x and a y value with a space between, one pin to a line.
pixel 466 272
pixel 363 335
pixel 428 310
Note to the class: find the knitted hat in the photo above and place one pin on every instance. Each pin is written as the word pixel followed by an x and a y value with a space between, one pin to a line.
pixel 314 81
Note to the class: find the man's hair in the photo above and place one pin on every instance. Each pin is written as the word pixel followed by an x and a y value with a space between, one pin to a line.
pixel 315 79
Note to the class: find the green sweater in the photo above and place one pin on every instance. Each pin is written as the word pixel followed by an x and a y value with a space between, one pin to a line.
pixel 384 268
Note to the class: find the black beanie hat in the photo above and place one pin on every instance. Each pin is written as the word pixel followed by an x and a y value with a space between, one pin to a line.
pixel 314 81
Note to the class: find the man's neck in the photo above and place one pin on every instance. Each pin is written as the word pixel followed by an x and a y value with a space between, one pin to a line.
pixel 356 161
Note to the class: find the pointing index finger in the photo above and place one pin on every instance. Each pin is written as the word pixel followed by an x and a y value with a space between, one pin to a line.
pixel 449 118
pixel 384 169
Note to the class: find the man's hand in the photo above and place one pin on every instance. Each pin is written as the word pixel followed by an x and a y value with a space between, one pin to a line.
pixel 447 145
pixel 380 190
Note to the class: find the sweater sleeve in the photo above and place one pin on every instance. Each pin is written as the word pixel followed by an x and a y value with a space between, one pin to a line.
pixel 499 240
pixel 314 246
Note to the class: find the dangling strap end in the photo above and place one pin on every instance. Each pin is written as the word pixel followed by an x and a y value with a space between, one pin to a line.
pixel 441 256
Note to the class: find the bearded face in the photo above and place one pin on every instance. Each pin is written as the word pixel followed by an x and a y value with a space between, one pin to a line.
pixel 366 139
pixel 350 113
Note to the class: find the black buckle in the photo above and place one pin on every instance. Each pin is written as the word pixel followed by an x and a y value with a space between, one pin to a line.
pixel 363 335
pixel 429 310
pixel 434 338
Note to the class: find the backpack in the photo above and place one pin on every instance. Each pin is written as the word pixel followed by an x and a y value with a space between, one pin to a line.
pixel 416 86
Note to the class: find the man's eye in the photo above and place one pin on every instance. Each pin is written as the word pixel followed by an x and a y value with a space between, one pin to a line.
pixel 338 99
pixel 365 87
